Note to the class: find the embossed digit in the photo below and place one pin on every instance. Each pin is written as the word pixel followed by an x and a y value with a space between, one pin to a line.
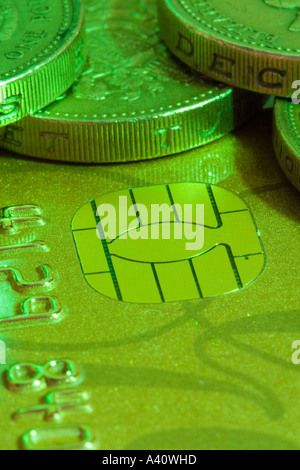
pixel 36 245
pixel 35 311
pixel 58 405
pixel 72 437
pixel 16 218
pixel 63 372
pixel 47 282
pixel 25 378
pixel 55 373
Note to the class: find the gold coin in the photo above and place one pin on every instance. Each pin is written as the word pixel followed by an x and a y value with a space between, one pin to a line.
pixel 134 101
pixel 252 45
pixel 287 139
pixel 42 53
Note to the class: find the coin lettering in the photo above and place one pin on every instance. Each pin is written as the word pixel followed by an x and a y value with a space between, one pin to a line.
pixel 222 65
pixel 38 38
pixel 185 45
pixel 264 82
pixel 134 100
pixel 253 46
pixel 30 39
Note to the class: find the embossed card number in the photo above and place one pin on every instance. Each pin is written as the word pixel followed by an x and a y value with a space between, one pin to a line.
pixel 62 375
pixel 66 400
pixel 39 308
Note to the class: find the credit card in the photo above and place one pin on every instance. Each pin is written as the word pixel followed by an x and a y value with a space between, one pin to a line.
pixel 144 345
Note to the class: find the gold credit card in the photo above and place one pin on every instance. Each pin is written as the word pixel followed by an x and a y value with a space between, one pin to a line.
pixel 122 341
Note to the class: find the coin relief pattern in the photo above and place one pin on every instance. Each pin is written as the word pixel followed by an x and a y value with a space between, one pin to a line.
pixel 209 15
pixel 8 19
pixel 294 116
pixel 295 4
pixel 124 66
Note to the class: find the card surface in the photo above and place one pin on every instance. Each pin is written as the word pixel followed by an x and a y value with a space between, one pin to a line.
pixel 136 344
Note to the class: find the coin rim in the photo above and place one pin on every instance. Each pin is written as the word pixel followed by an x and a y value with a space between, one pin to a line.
pixel 132 139
pixel 206 46
pixel 285 138
pixel 42 72
pixel 218 35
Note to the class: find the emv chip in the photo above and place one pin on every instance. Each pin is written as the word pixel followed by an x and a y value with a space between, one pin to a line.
pixel 168 243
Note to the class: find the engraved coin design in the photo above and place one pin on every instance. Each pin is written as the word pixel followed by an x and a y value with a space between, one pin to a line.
pixel 42 53
pixel 136 266
pixel 295 26
pixel 253 45
pixel 287 139
pixel 8 19
pixel 133 101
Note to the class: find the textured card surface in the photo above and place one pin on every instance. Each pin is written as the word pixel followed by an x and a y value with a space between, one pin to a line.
pixel 123 343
